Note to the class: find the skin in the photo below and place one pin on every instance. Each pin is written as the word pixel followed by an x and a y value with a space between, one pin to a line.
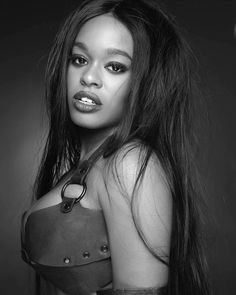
pixel 92 69
pixel 101 65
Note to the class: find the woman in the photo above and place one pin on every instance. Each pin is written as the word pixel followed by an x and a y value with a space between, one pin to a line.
pixel 116 208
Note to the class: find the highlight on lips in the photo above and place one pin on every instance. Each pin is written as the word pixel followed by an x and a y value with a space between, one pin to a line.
pixel 86 102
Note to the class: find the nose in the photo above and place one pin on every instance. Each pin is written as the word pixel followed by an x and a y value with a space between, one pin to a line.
pixel 91 77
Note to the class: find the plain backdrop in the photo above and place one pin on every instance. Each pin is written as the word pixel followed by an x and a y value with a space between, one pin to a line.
pixel 27 31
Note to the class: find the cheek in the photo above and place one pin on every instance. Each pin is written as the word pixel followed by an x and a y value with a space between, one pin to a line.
pixel 72 80
pixel 124 91
pixel 69 82
pixel 121 90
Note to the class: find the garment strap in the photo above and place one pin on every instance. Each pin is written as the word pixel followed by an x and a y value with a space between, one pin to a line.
pixel 79 177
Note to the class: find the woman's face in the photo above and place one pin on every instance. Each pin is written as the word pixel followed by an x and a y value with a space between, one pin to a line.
pixel 99 73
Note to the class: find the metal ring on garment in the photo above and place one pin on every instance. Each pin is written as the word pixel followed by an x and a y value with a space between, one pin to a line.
pixel 80 196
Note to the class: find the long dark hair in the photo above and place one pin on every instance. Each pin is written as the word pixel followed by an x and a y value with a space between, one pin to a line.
pixel 158 112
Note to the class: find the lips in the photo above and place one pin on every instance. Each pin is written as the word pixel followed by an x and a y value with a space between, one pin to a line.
pixel 87 98
pixel 86 102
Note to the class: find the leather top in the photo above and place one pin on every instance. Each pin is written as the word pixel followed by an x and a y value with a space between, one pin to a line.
pixel 67 244
pixel 70 250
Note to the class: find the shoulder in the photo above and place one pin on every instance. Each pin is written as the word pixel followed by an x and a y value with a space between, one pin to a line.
pixel 137 209
pixel 137 191
pixel 135 167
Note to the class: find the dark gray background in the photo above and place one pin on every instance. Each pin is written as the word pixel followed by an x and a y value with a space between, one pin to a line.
pixel 26 34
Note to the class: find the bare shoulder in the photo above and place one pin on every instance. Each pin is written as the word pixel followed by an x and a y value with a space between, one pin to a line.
pixel 138 209
pixel 130 172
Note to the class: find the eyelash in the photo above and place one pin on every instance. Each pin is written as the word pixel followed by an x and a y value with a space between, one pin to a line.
pixel 75 57
pixel 121 67
pixel 78 60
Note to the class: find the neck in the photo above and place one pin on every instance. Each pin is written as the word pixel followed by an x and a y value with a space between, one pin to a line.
pixel 91 139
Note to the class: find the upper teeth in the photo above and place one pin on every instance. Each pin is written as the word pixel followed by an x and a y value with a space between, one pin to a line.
pixel 87 100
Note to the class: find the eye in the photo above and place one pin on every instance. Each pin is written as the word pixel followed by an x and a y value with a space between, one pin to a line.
pixel 78 60
pixel 116 67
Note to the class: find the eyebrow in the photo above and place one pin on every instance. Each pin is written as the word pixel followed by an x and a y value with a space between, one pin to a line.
pixel 115 51
pixel 110 51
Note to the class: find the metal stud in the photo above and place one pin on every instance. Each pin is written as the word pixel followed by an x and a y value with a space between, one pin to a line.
pixel 104 248
pixel 86 254
pixel 67 260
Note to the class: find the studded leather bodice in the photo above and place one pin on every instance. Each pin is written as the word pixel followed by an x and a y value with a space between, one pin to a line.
pixel 70 250
pixel 67 244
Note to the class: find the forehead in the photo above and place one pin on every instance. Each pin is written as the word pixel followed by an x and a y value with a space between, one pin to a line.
pixel 104 32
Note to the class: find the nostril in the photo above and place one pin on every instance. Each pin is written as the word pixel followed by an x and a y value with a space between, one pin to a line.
pixel 82 82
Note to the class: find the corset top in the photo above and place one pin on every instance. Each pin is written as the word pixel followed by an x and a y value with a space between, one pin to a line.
pixel 69 249
pixel 67 244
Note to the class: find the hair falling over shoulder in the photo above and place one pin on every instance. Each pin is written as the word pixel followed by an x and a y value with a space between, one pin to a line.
pixel 159 112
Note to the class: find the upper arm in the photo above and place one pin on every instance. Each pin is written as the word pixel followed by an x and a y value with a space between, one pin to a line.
pixel 134 213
